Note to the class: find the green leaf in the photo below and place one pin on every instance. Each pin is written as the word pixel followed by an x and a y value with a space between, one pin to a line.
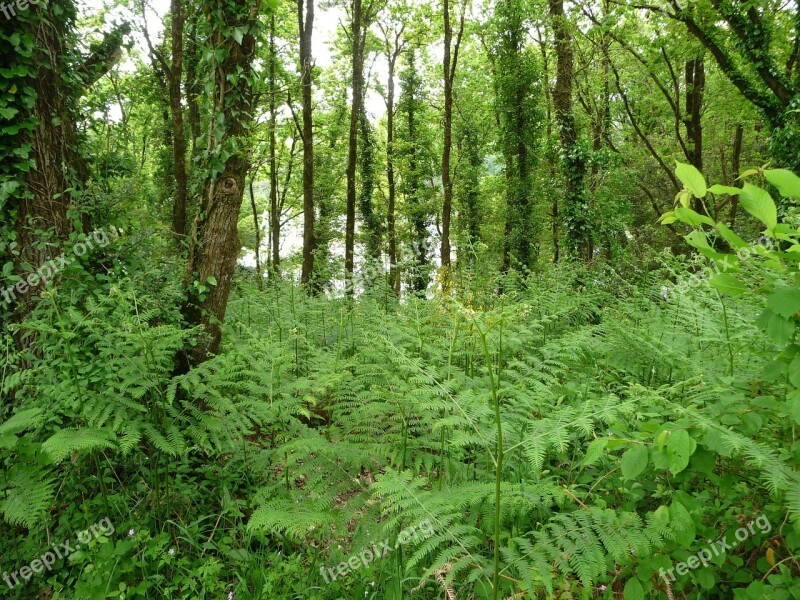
pixel 634 461
pixel 793 404
pixel 594 451
pixel 633 590
pixel 692 179
pixel 682 524
pixel 759 203
pixel 729 236
pixel 691 217
pixel 784 301
pixel 705 577
pixel 724 189
pixel 212 280
pixel 680 447
pixel 727 284
pixel 788 183
pixel 778 328
pixel 697 239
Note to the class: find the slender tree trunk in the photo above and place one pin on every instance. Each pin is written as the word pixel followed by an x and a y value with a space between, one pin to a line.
pixel 257 226
pixel 215 243
pixel 447 183
pixel 736 166
pixel 695 86
pixel 352 155
pixel 274 211
pixel 391 233
pixel 306 26
pixel 175 77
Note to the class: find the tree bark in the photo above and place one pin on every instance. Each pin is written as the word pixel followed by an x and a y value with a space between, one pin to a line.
pixel 574 165
pixel 695 86
pixel 175 78
pixel 215 241
pixel 357 39
pixel 306 26
pixel 274 210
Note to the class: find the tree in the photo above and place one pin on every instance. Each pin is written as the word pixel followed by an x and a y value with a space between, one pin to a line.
pixel 215 241
pixel 361 16
pixel 449 65
pixel 573 150
pixel 516 84
pixel 394 46
pixel 305 29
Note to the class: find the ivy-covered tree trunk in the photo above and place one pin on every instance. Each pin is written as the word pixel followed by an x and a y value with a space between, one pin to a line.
pixel 373 221
pixel 574 152
pixel 215 243
pixel 410 87
pixel 516 79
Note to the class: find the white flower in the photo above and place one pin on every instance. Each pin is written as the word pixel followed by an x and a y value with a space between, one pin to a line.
pixel 171 551
pixel 131 532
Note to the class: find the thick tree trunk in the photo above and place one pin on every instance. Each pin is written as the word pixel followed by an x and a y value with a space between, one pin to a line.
pixel 215 244
pixel 574 165
pixel 309 239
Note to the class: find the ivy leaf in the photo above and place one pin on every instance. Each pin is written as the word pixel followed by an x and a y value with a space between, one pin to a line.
pixel 727 284
pixel 692 179
pixel 788 183
pixel 634 461
pixel 784 301
pixel 759 203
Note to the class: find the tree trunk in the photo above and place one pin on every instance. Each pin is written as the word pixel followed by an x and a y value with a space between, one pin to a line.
pixel 695 86
pixel 257 226
pixel 352 155
pixel 215 243
pixel 175 77
pixel 447 183
pixel 736 166
pixel 574 164
pixel 391 229
pixel 306 26
pixel 274 211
